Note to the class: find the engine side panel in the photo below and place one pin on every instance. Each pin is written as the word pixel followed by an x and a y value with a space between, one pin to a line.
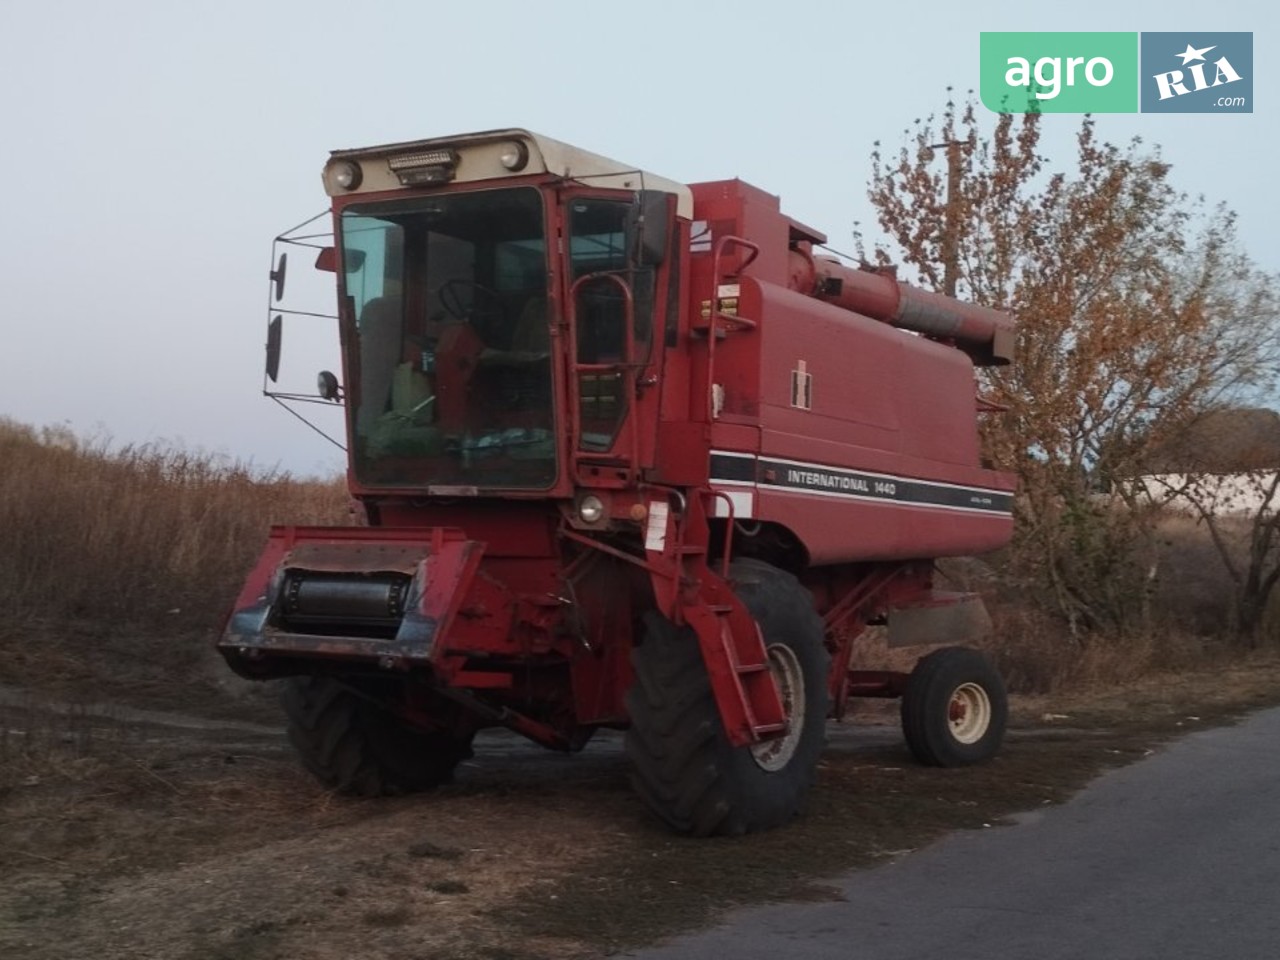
pixel 859 437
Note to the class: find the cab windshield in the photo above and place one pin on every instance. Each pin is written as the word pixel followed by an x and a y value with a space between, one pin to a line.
pixel 449 376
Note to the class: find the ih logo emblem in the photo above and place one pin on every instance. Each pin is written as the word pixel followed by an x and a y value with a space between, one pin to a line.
pixel 802 386
pixel 1197 73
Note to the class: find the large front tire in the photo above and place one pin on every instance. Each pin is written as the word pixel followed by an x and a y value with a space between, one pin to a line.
pixel 954 709
pixel 685 769
pixel 353 746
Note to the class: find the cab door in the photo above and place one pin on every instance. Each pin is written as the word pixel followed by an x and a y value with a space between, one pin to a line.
pixel 616 277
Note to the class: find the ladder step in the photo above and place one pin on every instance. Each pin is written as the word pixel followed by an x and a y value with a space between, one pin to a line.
pixel 752 668
pixel 769 727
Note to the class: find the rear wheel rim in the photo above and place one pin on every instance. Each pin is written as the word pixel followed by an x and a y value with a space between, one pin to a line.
pixel 773 755
pixel 969 713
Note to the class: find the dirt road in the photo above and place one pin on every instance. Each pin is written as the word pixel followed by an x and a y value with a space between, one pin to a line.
pixel 130 833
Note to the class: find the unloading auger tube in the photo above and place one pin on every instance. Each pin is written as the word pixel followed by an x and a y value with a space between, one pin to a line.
pixel 986 335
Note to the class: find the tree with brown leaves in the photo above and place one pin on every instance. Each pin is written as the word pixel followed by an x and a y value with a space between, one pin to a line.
pixel 1136 311
pixel 1225 471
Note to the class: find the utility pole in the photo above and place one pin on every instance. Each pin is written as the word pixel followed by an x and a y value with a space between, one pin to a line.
pixel 951 224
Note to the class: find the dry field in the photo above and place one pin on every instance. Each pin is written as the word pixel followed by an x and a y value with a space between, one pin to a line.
pixel 153 834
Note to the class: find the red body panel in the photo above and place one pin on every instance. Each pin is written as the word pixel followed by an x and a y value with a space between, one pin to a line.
pixel 866 436
pixel 872 531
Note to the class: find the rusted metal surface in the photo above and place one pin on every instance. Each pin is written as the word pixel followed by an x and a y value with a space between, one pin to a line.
pixel 355 557
pixel 392 654
pixel 956 618
pixel 440 565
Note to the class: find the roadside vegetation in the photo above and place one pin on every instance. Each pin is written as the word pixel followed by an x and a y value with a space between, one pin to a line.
pixel 1139 317
pixel 117 562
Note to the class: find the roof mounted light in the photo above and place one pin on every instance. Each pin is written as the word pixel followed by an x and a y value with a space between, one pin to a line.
pixel 429 166
pixel 347 174
pixel 515 156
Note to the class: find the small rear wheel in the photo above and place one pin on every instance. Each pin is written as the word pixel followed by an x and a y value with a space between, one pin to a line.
pixel 354 746
pixel 954 708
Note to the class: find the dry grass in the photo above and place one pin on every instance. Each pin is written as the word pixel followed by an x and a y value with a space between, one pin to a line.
pixel 1187 606
pixel 111 554
pixel 1037 655
pixel 1192 586
pixel 38 747
pixel 130 534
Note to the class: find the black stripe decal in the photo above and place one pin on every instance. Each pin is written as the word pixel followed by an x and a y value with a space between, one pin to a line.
pixel 854 484
pixel 741 469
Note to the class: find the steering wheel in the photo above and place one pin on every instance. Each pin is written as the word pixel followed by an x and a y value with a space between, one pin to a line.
pixel 484 302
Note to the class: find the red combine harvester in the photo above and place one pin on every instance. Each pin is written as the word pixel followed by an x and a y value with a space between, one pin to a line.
pixel 630 455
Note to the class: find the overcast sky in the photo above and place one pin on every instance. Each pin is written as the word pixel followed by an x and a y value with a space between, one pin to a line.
pixel 151 150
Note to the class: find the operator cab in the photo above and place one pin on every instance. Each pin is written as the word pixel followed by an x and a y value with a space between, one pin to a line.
pixel 498 294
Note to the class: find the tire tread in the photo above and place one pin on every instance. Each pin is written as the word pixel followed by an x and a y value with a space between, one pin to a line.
pixel 683 766
pixel 353 747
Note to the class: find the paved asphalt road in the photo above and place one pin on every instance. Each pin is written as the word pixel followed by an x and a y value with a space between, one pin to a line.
pixel 1173 858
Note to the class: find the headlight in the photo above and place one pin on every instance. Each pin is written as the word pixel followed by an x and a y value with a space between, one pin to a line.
pixel 347 175
pixel 327 386
pixel 515 156
pixel 590 508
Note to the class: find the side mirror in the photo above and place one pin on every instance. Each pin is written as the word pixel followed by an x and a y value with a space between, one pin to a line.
pixel 277 275
pixel 275 332
pixel 327 386
pixel 647 228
